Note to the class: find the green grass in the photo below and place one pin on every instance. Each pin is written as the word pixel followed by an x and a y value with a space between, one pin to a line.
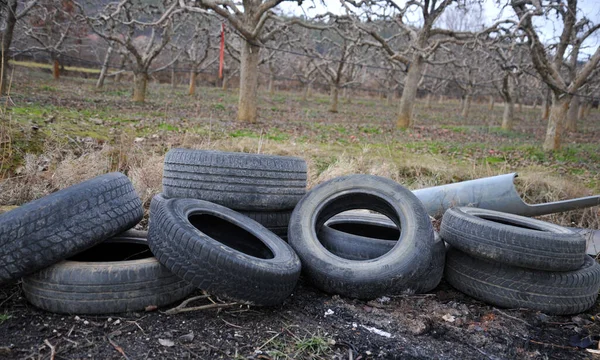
pixel 167 127
pixel 4 317
pixel 243 133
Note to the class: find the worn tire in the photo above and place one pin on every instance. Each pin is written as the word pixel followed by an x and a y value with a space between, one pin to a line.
pixel 48 230
pixel 369 236
pixel 276 221
pixel 223 252
pixel 114 285
pixel 236 180
pixel 391 273
pixel 559 293
pixel 513 240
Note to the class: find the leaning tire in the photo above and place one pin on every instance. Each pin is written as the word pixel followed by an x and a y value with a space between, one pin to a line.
pixel 55 227
pixel 236 180
pixel 391 273
pixel 559 293
pixel 118 275
pixel 223 252
pixel 369 236
pixel 276 221
pixel 512 239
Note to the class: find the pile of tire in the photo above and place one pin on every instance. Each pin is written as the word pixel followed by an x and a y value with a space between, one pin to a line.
pixel 517 262
pixel 73 253
pixel 214 225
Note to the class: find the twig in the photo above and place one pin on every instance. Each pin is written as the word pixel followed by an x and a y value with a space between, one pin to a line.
pixel 268 341
pixel 512 317
pixel 180 309
pixel 187 301
pixel 52 349
pixel 116 346
pixel 552 345
pixel 234 325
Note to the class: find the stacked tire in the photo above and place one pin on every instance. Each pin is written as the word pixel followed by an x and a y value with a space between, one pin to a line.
pixel 517 262
pixel 67 249
pixel 265 188
pixel 219 222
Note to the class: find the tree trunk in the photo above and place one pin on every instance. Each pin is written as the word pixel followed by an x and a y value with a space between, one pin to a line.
pixel 104 70
pixel 224 83
pixel 56 70
pixel 247 108
pixel 309 92
pixel 409 93
pixel 509 114
pixel 428 101
pixel 174 75
pixel 7 36
pixel 441 99
pixel 535 104
pixel 581 113
pixel 520 106
pixel 305 93
pixel 192 88
pixel 492 102
pixel 121 68
pixel 347 97
pixel 572 115
pixel 271 84
pixel 466 106
pixel 333 99
pixel 139 88
pixel 389 98
pixel 545 109
pixel 558 112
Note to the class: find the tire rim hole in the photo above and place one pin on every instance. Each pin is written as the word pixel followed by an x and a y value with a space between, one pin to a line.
pixel 231 235
pixel 509 222
pixel 373 231
pixel 109 251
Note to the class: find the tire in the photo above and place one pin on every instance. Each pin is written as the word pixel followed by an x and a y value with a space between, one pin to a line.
pixel 276 221
pixel 513 240
pixel 391 273
pixel 558 293
pixel 223 252
pixel 236 180
pixel 369 236
pixel 101 281
pixel 48 230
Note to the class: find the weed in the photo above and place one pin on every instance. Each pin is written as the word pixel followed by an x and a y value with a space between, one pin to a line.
pixel 243 133
pixel 167 127
pixel 313 345
pixel 4 317
pixel 48 88
pixel 219 107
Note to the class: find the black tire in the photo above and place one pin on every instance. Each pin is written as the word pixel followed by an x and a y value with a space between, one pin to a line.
pixel 117 275
pixel 236 180
pixel 558 293
pixel 223 252
pixel 369 236
pixel 48 230
pixel 513 239
pixel 276 221
pixel 391 273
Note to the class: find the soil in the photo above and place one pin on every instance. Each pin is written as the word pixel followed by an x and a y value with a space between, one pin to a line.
pixel 310 324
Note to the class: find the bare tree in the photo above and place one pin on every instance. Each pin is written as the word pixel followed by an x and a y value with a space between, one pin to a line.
pixel 51 28
pixel 424 40
pixel 198 50
pixel 248 18
pixel 564 54
pixel 127 22
pixel 10 14
pixel 338 65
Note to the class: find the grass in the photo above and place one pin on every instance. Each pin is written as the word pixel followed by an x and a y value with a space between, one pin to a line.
pixel 34 65
pixel 4 317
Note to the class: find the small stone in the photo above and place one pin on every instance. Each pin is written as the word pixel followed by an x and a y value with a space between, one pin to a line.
pixel 138 139
pixel 77 318
pixel 85 322
pixel 449 318
pixel 117 322
pixel 329 312
pixel 166 342
pixel 187 338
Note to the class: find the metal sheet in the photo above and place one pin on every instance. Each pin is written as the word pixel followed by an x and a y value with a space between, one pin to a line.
pixel 493 193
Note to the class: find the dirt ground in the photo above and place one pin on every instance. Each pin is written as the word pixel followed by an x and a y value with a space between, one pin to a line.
pixel 59 133
pixel 309 325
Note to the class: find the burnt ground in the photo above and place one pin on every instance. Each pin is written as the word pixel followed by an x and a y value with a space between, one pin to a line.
pixel 442 325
